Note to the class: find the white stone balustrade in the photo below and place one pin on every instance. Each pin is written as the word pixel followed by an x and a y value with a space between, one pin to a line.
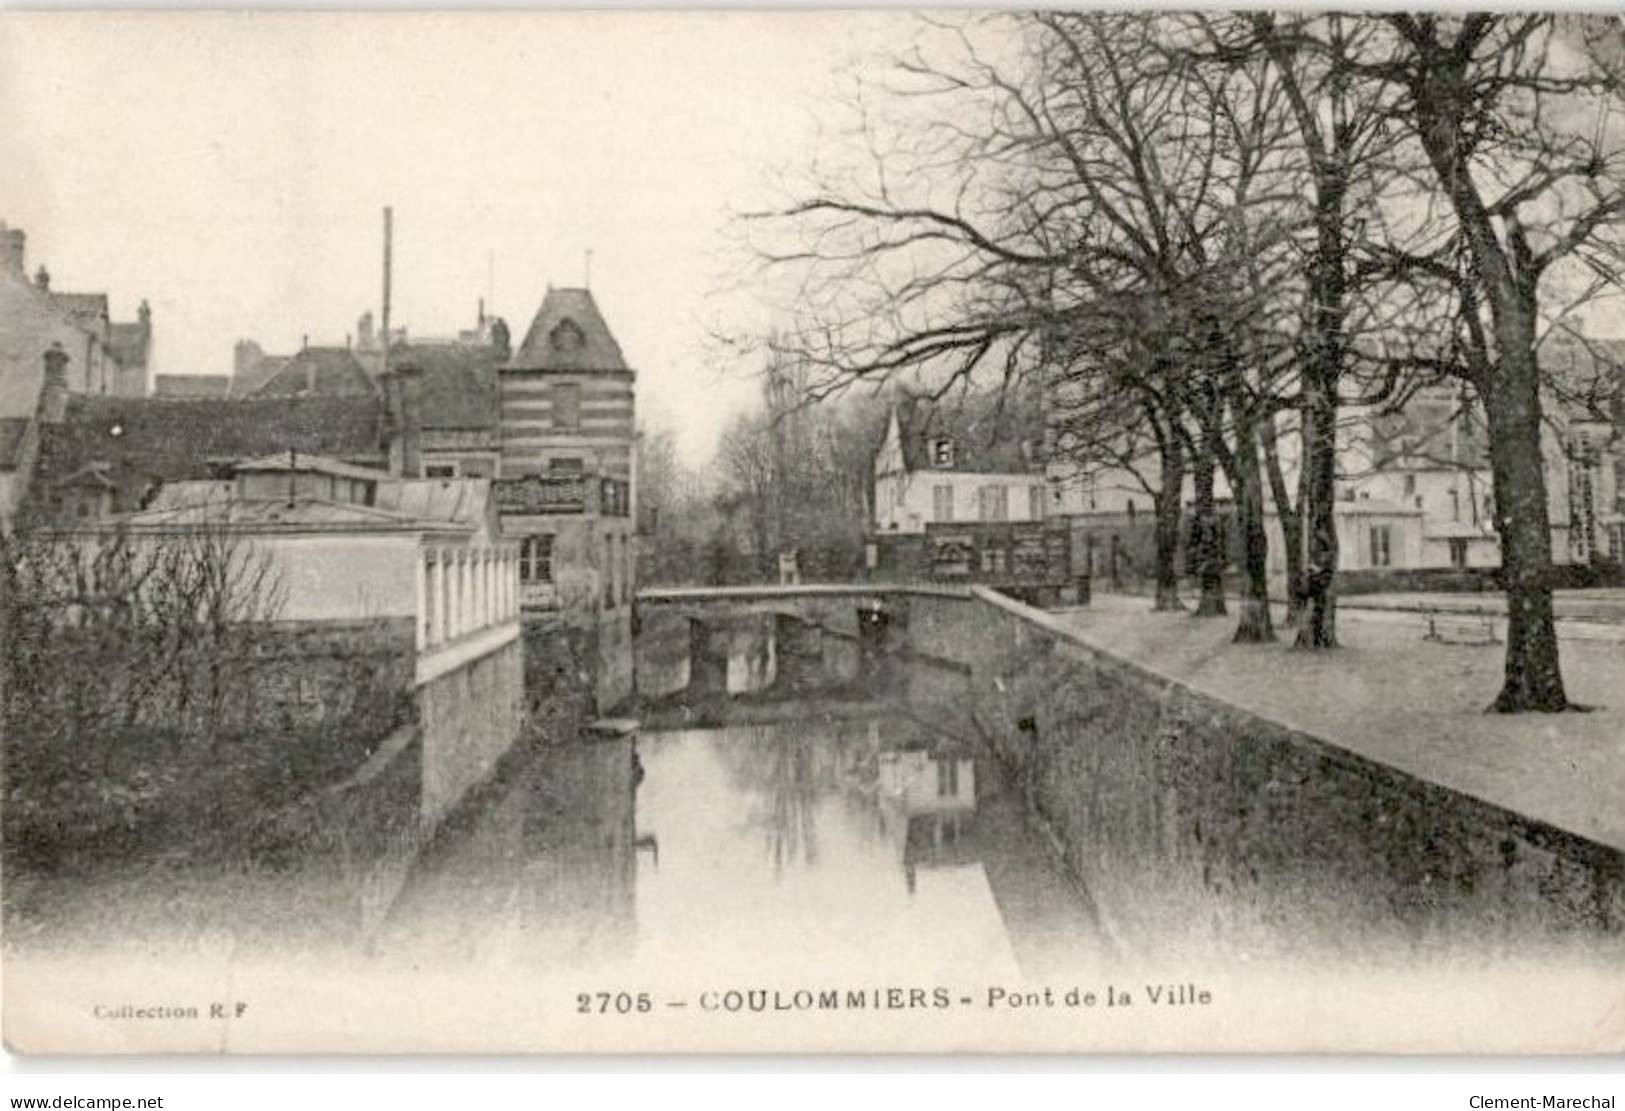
pixel 465 591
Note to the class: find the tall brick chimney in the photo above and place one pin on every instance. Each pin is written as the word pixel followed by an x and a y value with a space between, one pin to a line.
pixel 53 398
pixel 13 251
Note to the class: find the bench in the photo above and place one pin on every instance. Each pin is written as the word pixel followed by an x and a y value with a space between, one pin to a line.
pixel 1448 627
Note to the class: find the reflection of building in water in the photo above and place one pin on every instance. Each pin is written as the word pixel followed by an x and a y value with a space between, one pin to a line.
pixel 936 796
pixel 581 843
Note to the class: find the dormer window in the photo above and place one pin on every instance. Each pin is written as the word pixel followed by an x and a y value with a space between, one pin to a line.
pixel 942 452
pixel 567 338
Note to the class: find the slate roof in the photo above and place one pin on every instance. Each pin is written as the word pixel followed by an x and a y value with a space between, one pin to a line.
pixel 448 501
pixel 991 435
pixel 319 372
pixel 278 514
pixel 459 383
pixel 569 333
pixel 87 310
pixel 155 440
pixel 130 343
pixel 251 379
pixel 191 385
pixel 280 461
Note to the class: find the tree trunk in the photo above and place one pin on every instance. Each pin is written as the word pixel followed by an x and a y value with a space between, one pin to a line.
pixel 1255 626
pixel 1204 544
pixel 1291 519
pixel 1317 626
pixel 1533 677
pixel 1168 521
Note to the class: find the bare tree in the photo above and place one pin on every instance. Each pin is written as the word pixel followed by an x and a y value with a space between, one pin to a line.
pixel 1510 112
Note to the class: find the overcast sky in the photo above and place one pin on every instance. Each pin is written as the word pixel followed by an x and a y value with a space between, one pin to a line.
pixel 232 169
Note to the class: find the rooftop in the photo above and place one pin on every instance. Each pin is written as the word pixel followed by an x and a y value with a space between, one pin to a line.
pixel 991 434
pixel 569 333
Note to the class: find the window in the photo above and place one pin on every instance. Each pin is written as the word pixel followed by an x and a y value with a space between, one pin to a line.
pixel 536 559
pixel 1035 503
pixel 1381 546
pixel 1458 551
pixel 947 778
pixel 567 465
pixel 942 503
pixel 942 452
pixel 475 468
pixel 608 572
pixel 567 406
pixel 994 502
pixel 994 561
pixel 1410 485
pixel 440 470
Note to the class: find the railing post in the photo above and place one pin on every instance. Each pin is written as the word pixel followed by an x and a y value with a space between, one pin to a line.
pixel 454 625
pixel 487 583
pixel 437 595
pixel 464 609
pixel 421 590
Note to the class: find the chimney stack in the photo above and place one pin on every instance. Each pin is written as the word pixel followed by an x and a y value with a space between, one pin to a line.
pixel 13 250
pixel 144 314
pixel 411 385
pixel 42 278
pixel 53 399
pixel 403 412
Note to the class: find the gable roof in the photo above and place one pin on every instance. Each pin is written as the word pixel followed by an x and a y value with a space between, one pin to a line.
pixel 569 333
pixel 87 310
pixel 459 383
pixel 247 381
pixel 991 433
pixel 319 372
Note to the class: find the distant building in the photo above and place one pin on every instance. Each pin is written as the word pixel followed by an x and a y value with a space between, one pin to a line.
pixel 104 455
pixel 356 565
pixel 960 496
pixel 96 357
pixel 954 463
pixel 566 490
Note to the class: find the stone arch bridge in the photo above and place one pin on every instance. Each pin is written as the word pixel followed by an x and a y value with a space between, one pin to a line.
pixel 708 641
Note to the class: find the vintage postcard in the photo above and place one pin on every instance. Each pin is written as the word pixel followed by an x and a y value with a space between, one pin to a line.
pixel 1018 531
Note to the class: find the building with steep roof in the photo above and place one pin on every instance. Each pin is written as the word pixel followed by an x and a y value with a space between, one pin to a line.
pixel 978 459
pixel 960 495
pixel 318 372
pixel 567 393
pixel 566 492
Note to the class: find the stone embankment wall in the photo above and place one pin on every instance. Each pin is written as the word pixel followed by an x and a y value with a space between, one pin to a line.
pixel 468 719
pixel 1199 827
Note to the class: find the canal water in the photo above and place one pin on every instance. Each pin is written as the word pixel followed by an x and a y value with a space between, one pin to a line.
pixel 863 849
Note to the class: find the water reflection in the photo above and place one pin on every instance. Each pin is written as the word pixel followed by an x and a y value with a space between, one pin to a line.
pixel 827 847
